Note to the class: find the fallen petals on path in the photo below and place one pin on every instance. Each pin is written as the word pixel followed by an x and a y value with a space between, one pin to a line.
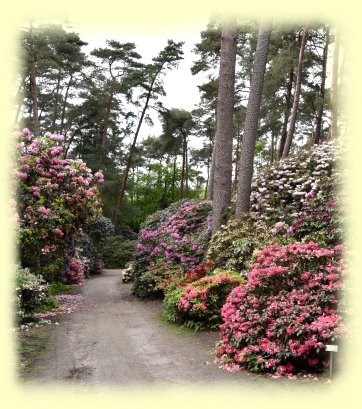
pixel 68 303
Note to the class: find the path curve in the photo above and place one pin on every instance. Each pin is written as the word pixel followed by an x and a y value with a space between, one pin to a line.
pixel 119 339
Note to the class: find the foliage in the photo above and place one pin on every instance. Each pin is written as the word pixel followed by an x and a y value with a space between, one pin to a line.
pixel 198 304
pixel 99 229
pixel 232 246
pixel 31 292
pixel 281 320
pixel 56 197
pixel 115 251
pixel 171 241
pixel 86 250
pixel 277 192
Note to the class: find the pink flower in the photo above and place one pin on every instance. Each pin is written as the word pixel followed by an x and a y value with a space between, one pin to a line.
pixel 58 232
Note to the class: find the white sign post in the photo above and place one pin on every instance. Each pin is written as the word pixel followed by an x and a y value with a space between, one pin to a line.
pixel 331 349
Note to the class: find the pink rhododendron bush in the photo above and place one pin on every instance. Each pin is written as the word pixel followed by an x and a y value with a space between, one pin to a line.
pixel 281 320
pixel 198 304
pixel 56 197
pixel 170 241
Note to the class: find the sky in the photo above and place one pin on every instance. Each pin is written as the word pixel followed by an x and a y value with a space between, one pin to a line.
pixel 180 85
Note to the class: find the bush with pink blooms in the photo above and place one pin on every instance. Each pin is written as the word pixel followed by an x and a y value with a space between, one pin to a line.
pixel 290 308
pixel 198 304
pixel 55 198
pixel 170 241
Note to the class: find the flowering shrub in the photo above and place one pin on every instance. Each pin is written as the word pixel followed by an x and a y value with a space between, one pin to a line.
pixel 198 304
pixel 281 320
pixel 277 191
pixel 31 292
pixel 55 198
pixel 319 220
pixel 171 241
pixel 76 270
pixel 233 244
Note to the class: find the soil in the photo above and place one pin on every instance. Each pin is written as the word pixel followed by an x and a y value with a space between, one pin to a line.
pixel 118 339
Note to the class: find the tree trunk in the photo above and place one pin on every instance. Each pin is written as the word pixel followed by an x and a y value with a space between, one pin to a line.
pixel 334 88
pixel 319 125
pixel 105 125
pixel 64 105
pixel 251 122
pixel 186 169
pixel 182 184
pixel 237 157
pixel 56 100
pixel 173 179
pixel 33 88
pixel 223 144
pixel 298 84
pixel 210 187
pixel 129 160
pixel 288 100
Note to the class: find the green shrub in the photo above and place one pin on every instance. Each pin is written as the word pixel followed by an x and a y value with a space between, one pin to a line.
pixel 198 305
pixel 233 244
pixel 116 252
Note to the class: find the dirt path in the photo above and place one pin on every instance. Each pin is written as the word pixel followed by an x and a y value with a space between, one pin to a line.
pixel 119 339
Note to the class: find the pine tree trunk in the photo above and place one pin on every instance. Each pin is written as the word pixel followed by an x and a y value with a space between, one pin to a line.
pixel 298 84
pixel 56 101
pixel 319 125
pixel 182 185
pixel 288 103
pixel 105 124
pixel 33 89
pixel 251 122
pixel 237 157
pixel 210 188
pixel 223 145
pixel 334 88
pixel 64 105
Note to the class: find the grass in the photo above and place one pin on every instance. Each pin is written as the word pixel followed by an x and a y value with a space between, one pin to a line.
pixel 58 287
pixel 32 347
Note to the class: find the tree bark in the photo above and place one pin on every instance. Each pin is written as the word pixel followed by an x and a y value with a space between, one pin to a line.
pixel 129 160
pixel 288 100
pixel 210 188
pixel 64 105
pixel 106 122
pixel 33 87
pixel 251 122
pixel 56 101
pixel 319 125
pixel 333 128
pixel 237 157
pixel 223 144
pixel 298 84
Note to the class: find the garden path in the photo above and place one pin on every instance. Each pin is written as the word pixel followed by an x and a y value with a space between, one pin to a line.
pixel 118 339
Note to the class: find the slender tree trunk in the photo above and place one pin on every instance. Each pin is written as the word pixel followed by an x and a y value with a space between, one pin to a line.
pixel 319 125
pixel 210 188
pixel 237 157
pixel 173 179
pixel 65 105
pixel 182 187
pixel 56 102
pixel 129 160
pixel 105 125
pixel 298 84
pixel 333 127
pixel 223 145
pixel 288 104
pixel 186 169
pixel 33 88
pixel 251 122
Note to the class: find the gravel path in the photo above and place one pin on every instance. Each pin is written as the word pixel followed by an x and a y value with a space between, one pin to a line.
pixel 118 339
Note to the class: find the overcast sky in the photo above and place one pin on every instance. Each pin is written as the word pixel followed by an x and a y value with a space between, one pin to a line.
pixel 180 85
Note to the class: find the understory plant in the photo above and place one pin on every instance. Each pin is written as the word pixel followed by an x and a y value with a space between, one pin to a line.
pixel 281 320
pixel 198 304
